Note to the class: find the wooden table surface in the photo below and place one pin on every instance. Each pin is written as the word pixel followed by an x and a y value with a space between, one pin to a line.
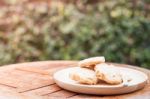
pixel 34 81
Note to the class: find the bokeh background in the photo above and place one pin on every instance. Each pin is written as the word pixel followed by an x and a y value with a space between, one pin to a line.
pixel 34 30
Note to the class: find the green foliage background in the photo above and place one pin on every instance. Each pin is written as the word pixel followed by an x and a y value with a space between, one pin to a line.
pixel 116 29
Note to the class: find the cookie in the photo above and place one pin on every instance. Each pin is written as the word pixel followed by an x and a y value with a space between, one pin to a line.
pixel 84 76
pixel 108 73
pixel 91 62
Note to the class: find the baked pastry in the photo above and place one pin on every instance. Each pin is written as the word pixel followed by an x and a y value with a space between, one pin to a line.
pixel 108 73
pixel 91 62
pixel 84 76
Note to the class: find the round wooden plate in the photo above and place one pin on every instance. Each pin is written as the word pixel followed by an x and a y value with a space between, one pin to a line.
pixel 139 80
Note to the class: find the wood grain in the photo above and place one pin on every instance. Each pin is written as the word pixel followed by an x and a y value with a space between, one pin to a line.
pixel 35 81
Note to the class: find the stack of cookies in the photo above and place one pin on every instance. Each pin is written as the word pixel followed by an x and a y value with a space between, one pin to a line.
pixel 93 70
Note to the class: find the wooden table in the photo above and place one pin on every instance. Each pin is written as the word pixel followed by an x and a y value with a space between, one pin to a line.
pixel 34 81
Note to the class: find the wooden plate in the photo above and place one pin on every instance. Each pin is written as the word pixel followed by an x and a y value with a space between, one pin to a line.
pixel 139 80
